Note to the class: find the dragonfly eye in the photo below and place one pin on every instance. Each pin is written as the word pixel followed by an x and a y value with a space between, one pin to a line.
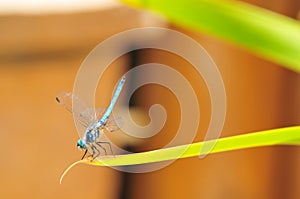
pixel 81 144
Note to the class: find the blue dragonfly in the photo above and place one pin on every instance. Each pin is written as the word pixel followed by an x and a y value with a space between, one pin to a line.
pixel 94 120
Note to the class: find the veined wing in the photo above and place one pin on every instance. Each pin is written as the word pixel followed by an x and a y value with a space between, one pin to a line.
pixel 82 113
pixel 112 123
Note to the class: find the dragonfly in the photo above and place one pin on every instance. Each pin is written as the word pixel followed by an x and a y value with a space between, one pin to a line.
pixel 94 120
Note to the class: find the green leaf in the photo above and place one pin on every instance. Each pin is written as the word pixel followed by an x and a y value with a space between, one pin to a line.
pixel 270 35
pixel 282 136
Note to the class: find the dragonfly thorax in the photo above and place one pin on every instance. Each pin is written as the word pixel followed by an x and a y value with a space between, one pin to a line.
pixel 92 135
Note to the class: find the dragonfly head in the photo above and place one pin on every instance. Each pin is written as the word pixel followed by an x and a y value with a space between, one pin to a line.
pixel 81 144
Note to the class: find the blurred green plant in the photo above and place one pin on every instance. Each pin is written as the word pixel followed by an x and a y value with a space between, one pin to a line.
pixel 265 33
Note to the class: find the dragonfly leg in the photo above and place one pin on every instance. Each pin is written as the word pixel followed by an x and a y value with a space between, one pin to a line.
pixel 84 154
pixel 95 152
pixel 108 143
pixel 99 144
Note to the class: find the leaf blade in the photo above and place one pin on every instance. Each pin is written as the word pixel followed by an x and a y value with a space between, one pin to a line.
pixel 267 34
pixel 282 136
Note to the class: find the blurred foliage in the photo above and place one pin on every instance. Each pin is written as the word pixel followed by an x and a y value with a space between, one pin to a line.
pixel 267 34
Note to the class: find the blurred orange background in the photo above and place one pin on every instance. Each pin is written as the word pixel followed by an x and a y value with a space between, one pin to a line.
pixel 40 55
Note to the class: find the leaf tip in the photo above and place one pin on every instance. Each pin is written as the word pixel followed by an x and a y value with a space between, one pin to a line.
pixel 67 170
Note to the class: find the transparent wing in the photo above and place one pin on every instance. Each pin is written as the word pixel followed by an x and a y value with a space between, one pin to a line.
pixel 82 113
pixel 114 124
pixel 99 113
